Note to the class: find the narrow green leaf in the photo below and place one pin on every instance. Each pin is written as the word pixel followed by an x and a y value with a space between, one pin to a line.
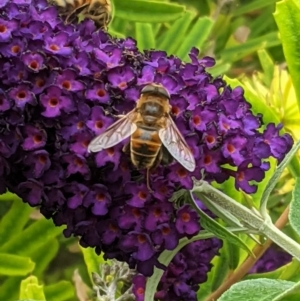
pixel 211 225
pixel 148 11
pixel 62 290
pixel 144 36
pixel 92 261
pixel 8 196
pixel 9 288
pixel 221 267
pixel 195 37
pixel 236 53
pixel 275 177
pixel 32 238
pixel 267 65
pixel 294 214
pixel 251 6
pixel 14 265
pixel 44 255
pixel 14 221
pixel 30 289
pixel 287 17
pixel 171 40
pixel 256 290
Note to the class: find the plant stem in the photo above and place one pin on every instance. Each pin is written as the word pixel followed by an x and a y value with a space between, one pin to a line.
pixel 244 268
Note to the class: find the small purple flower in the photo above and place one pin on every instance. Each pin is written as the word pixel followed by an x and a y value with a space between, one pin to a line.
pixel 98 93
pixel 22 96
pixel 121 77
pixel 166 236
pixel 54 102
pixel 98 198
pixel 66 80
pixel 76 164
pixel 33 61
pixel 139 284
pixel 6 29
pixel 98 121
pixel 31 192
pixel 110 61
pixel 138 243
pixel 38 162
pixel 57 44
pixel 187 221
pixel 34 138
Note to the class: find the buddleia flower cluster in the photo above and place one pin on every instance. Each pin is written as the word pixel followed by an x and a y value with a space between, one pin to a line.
pixel 63 84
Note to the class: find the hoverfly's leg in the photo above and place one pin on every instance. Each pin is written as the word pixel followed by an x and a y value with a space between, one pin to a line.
pixel 148 180
pixel 126 148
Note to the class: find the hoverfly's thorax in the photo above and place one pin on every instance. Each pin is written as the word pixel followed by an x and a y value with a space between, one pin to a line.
pixel 151 112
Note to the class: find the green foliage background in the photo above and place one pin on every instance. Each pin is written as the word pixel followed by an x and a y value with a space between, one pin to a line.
pixel 243 37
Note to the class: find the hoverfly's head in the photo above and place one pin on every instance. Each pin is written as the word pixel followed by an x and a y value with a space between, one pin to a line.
pixel 156 89
pixel 154 103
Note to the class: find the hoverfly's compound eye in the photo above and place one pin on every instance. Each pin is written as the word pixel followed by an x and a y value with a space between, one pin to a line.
pixel 159 89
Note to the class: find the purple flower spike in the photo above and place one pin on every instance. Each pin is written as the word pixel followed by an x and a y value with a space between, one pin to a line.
pixel 53 102
pixel 63 84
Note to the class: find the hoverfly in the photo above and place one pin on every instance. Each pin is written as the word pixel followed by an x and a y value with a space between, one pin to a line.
pixel 154 135
pixel 97 10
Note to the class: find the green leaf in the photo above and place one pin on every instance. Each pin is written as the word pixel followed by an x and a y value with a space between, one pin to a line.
pixel 251 6
pixel 30 289
pixel 8 196
pixel 14 265
pixel 32 238
pixel 9 288
pixel 275 177
pixel 195 37
pixel 235 53
pixel 62 290
pixel 92 261
pixel 287 17
pixel 256 290
pixel 211 225
pixel 171 40
pixel 144 36
pixel 267 65
pixel 147 11
pixel 44 255
pixel 14 221
pixel 294 214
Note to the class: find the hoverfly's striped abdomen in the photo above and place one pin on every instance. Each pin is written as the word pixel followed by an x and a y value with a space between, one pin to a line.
pixel 145 146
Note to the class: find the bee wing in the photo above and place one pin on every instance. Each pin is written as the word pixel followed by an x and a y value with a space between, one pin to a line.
pixel 176 145
pixel 115 133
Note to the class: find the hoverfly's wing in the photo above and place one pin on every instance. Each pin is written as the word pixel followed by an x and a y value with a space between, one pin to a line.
pixel 176 145
pixel 115 133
